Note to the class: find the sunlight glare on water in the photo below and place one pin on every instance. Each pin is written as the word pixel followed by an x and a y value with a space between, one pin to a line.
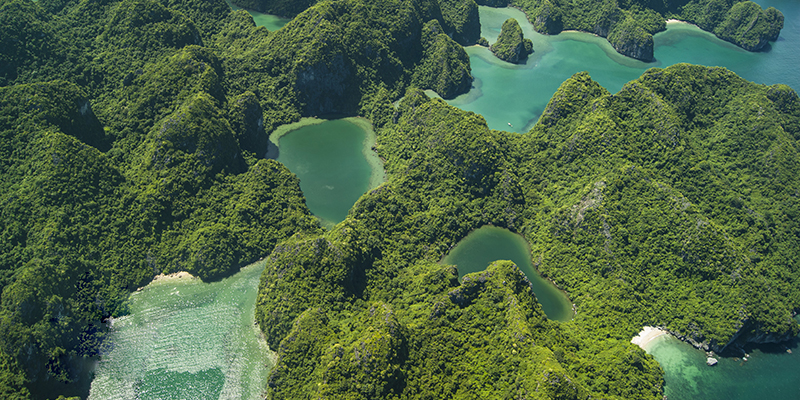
pixel 185 339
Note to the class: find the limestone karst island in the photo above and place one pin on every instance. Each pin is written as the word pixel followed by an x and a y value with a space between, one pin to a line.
pixel 399 199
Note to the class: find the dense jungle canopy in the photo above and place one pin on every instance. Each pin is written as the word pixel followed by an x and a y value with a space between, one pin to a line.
pixel 133 141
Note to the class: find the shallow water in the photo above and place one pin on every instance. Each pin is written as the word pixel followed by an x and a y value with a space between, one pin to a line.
pixel 517 94
pixel 185 339
pixel 269 21
pixel 769 372
pixel 334 161
pixel 489 243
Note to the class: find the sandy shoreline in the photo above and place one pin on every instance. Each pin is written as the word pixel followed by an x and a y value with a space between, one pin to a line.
pixel 647 335
pixel 677 21
pixel 169 277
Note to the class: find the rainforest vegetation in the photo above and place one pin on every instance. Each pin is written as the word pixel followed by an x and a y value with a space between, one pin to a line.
pixel 670 203
pixel 511 46
pixel 133 135
pixel 629 25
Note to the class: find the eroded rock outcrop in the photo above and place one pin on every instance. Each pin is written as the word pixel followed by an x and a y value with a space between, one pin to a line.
pixel 511 46
pixel 444 66
pixel 630 39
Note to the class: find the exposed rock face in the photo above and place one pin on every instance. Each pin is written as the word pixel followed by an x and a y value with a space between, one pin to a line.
pixel 444 66
pixel 546 18
pixel 631 40
pixel 748 333
pixel 283 8
pixel 323 86
pixel 493 3
pixel 247 121
pixel 711 361
pixel 461 20
pixel 511 46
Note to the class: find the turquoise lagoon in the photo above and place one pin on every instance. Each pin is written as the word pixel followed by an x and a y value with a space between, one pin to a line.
pixel 269 21
pixel 188 339
pixel 517 94
pixel 490 243
pixel 770 372
pixel 334 161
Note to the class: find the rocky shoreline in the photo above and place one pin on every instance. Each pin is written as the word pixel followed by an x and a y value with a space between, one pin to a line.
pixel 746 334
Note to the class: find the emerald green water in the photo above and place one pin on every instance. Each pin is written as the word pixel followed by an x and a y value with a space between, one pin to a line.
pixel 185 339
pixel 334 161
pixel 504 93
pixel 517 94
pixel 769 372
pixel 489 243
pixel 269 21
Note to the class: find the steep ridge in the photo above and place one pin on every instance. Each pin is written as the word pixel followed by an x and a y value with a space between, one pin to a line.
pixel 670 203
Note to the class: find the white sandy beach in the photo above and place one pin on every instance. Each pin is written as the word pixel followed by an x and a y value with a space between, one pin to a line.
pixel 677 21
pixel 170 277
pixel 647 335
pixel 176 275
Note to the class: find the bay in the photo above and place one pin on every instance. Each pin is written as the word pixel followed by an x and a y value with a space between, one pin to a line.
pixel 185 339
pixel 770 372
pixel 489 243
pixel 506 94
pixel 269 21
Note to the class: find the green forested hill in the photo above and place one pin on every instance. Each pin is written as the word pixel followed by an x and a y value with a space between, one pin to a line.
pixel 132 137
pixel 458 17
pixel 132 140
pixel 630 25
pixel 670 203
pixel 511 46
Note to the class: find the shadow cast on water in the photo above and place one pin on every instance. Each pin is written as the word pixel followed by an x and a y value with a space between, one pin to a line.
pixel 735 351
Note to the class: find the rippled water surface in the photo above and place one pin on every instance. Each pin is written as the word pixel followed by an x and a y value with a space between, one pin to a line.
pixel 185 339
pixel 770 372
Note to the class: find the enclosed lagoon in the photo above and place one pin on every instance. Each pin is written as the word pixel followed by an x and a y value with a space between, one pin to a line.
pixel 185 339
pixel 489 243
pixel 188 339
pixel 517 94
pixel 334 161
pixel 269 21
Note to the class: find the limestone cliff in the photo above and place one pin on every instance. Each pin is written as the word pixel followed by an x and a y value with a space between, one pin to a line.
pixel 511 46
pixel 628 38
pixel 444 66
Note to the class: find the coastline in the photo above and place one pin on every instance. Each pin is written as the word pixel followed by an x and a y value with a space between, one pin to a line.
pixel 378 173
pixel 647 335
pixel 677 21
pixel 275 136
pixel 163 278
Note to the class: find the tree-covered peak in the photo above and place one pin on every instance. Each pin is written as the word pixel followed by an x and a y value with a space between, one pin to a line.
pixel 511 46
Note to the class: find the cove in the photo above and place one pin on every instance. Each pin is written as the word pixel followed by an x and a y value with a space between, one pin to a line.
pixel 489 243
pixel 769 373
pixel 334 161
pixel 269 21
pixel 185 339
pixel 505 93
